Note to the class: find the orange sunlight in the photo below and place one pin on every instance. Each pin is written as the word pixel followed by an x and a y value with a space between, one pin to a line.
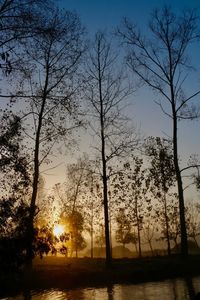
pixel 58 230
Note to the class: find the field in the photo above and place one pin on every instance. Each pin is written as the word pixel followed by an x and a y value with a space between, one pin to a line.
pixel 67 273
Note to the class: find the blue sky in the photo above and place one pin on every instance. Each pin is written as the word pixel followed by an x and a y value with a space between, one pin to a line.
pixel 106 15
pixel 101 14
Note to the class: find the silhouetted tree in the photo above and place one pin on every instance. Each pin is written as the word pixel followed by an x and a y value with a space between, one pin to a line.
pixel 174 223
pixel 137 196
pixel 130 188
pixel 78 182
pixel 49 85
pixel 105 93
pixel 15 183
pixel 75 225
pixel 123 233
pixel 161 176
pixel 48 43
pixel 193 221
pixel 12 160
pixel 14 168
pixel 160 61
pixel 148 232
pixel 81 189
pixel 100 236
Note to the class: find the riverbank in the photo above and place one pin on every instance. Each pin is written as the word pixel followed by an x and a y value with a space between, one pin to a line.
pixel 66 273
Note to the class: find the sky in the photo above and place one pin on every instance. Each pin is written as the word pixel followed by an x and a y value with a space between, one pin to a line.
pixel 101 14
pixel 106 15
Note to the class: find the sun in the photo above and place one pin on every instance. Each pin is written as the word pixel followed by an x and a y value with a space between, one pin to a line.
pixel 58 230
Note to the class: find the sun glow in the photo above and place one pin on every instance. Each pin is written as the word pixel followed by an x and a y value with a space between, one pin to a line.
pixel 58 230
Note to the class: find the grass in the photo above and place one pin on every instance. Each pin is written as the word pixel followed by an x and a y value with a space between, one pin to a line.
pixel 60 272
pixel 66 272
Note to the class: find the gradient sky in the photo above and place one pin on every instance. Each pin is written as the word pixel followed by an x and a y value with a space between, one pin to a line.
pixel 106 15
pixel 101 14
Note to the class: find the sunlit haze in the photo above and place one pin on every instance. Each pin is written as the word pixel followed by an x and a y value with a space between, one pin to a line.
pixel 58 230
pixel 145 113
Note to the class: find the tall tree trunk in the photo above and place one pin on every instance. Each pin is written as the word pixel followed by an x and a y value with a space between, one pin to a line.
pixel 30 225
pixel 136 249
pixel 195 240
pixel 104 170
pixel 92 233
pixel 110 229
pixel 139 239
pixel 138 230
pixel 162 171
pixel 92 247
pixel 106 215
pixel 150 246
pixel 184 244
pixel 105 200
pixel 167 226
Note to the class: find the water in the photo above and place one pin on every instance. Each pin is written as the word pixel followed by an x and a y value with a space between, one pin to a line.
pixel 176 289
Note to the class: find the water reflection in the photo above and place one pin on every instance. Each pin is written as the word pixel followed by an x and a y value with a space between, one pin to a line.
pixel 178 289
pixel 190 288
pixel 110 292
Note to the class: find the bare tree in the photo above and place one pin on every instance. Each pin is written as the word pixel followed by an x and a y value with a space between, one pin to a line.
pixel 78 182
pixel 105 95
pixel 161 63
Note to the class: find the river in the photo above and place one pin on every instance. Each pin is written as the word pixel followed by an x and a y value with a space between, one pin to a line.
pixel 174 289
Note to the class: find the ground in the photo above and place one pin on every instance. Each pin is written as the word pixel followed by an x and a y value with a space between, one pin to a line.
pixel 61 272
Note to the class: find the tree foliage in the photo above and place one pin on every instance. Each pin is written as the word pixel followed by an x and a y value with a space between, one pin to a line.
pixel 19 21
pixel 123 234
